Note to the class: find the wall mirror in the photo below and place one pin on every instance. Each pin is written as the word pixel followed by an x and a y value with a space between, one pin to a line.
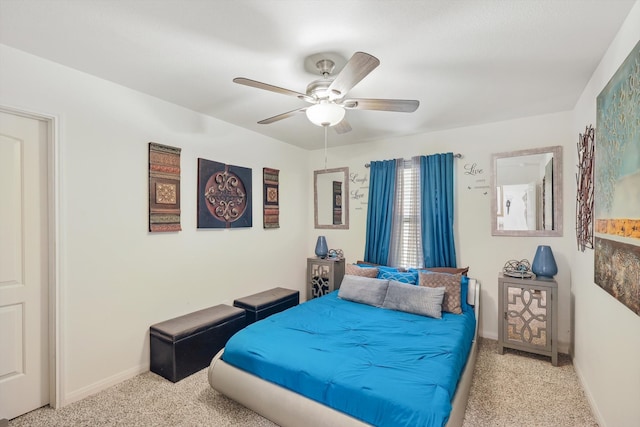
pixel 331 198
pixel 526 189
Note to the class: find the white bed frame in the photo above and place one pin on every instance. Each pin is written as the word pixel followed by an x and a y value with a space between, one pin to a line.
pixel 290 409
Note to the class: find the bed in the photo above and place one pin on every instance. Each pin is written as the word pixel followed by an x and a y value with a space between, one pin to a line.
pixel 334 362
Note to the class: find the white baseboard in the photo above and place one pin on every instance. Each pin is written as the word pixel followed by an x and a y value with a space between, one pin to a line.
pixel 96 387
pixel 489 335
pixel 590 399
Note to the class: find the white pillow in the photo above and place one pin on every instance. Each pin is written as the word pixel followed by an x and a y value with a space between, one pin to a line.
pixel 414 299
pixel 364 290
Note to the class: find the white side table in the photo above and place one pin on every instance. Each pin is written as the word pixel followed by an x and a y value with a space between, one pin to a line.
pixel 323 276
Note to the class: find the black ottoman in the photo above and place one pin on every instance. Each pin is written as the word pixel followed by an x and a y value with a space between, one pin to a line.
pixel 264 304
pixel 186 344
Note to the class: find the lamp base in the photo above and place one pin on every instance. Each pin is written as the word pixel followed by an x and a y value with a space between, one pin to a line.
pixel 321 247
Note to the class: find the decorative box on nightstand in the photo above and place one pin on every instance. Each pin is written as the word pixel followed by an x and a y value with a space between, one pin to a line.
pixel 324 275
pixel 527 311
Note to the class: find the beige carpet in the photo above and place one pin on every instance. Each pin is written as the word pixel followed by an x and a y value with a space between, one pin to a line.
pixel 522 389
pixel 514 389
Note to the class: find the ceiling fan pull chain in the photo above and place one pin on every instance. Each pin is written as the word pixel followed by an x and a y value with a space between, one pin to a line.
pixel 326 128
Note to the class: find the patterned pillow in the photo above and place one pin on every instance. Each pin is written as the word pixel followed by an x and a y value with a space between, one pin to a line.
pixel 410 277
pixel 354 270
pixel 382 267
pixel 451 282
pixel 387 268
pixel 420 300
pixel 464 285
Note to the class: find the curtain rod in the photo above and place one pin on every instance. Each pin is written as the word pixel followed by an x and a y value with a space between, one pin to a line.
pixel 457 156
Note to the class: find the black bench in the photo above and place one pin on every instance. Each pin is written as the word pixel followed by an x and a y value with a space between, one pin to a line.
pixel 264 304
pixel 186 344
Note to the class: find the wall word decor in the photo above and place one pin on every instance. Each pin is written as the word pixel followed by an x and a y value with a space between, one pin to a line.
pixel 476 178
pixel 359 189
pixel 224 195
pixel 164 188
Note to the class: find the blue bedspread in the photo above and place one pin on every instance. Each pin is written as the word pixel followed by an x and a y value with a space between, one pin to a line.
pixel 384 367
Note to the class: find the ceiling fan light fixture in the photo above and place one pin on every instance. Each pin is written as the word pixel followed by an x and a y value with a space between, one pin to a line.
pixel 325 114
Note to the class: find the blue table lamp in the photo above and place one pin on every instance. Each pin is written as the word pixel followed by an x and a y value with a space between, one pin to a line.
pixel 544 264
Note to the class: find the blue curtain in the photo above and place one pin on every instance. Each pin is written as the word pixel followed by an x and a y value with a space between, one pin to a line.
pixel 436 185
pixel 382 184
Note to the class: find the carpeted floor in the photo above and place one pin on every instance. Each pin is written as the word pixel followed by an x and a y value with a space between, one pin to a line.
pixel 522 389
pixel 514 389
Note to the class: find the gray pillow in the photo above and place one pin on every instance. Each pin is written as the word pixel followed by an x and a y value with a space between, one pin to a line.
pixel 414 299
pixel 364 290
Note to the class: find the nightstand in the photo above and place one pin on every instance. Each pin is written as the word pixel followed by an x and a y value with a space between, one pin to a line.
pixel 527 310
pixel 324 275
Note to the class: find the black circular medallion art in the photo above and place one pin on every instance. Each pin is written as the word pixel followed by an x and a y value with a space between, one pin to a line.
pixel 226 196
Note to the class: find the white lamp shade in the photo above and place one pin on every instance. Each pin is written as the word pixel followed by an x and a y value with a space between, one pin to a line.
pixel 325 114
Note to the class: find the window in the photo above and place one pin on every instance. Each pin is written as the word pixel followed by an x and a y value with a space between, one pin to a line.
pixel 406 241
pixel 410 214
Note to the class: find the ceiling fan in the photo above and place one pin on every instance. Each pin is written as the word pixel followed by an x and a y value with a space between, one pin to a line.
pixel 328 94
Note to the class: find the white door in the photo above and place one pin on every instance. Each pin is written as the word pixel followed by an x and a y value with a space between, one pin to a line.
pixel 24 361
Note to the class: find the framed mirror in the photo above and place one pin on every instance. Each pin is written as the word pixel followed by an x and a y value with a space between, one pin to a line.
pixel 331 198
pixel 526 192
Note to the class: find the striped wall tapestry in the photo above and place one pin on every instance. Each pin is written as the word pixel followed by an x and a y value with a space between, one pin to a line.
pixel 164 188
pixel 271 198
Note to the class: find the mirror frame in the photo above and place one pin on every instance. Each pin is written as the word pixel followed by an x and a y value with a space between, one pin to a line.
pixel 557 193
pixel 345 199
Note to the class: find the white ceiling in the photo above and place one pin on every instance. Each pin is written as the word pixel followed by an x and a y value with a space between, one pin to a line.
pixel 467 61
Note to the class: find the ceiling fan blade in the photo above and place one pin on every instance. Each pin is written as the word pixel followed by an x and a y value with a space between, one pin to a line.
pixel 355 70
pixel 342 127
pixel 272 88
pixel 281 116
pixel 400 105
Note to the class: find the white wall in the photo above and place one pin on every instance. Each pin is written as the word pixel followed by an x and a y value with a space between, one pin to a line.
pixel 607 334
pixel 116 279
pixel 475 246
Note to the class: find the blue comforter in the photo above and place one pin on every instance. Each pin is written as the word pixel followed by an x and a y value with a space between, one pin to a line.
pixel 384 367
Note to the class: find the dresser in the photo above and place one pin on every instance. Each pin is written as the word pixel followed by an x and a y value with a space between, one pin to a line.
pixel 323 276
pixel 528 310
